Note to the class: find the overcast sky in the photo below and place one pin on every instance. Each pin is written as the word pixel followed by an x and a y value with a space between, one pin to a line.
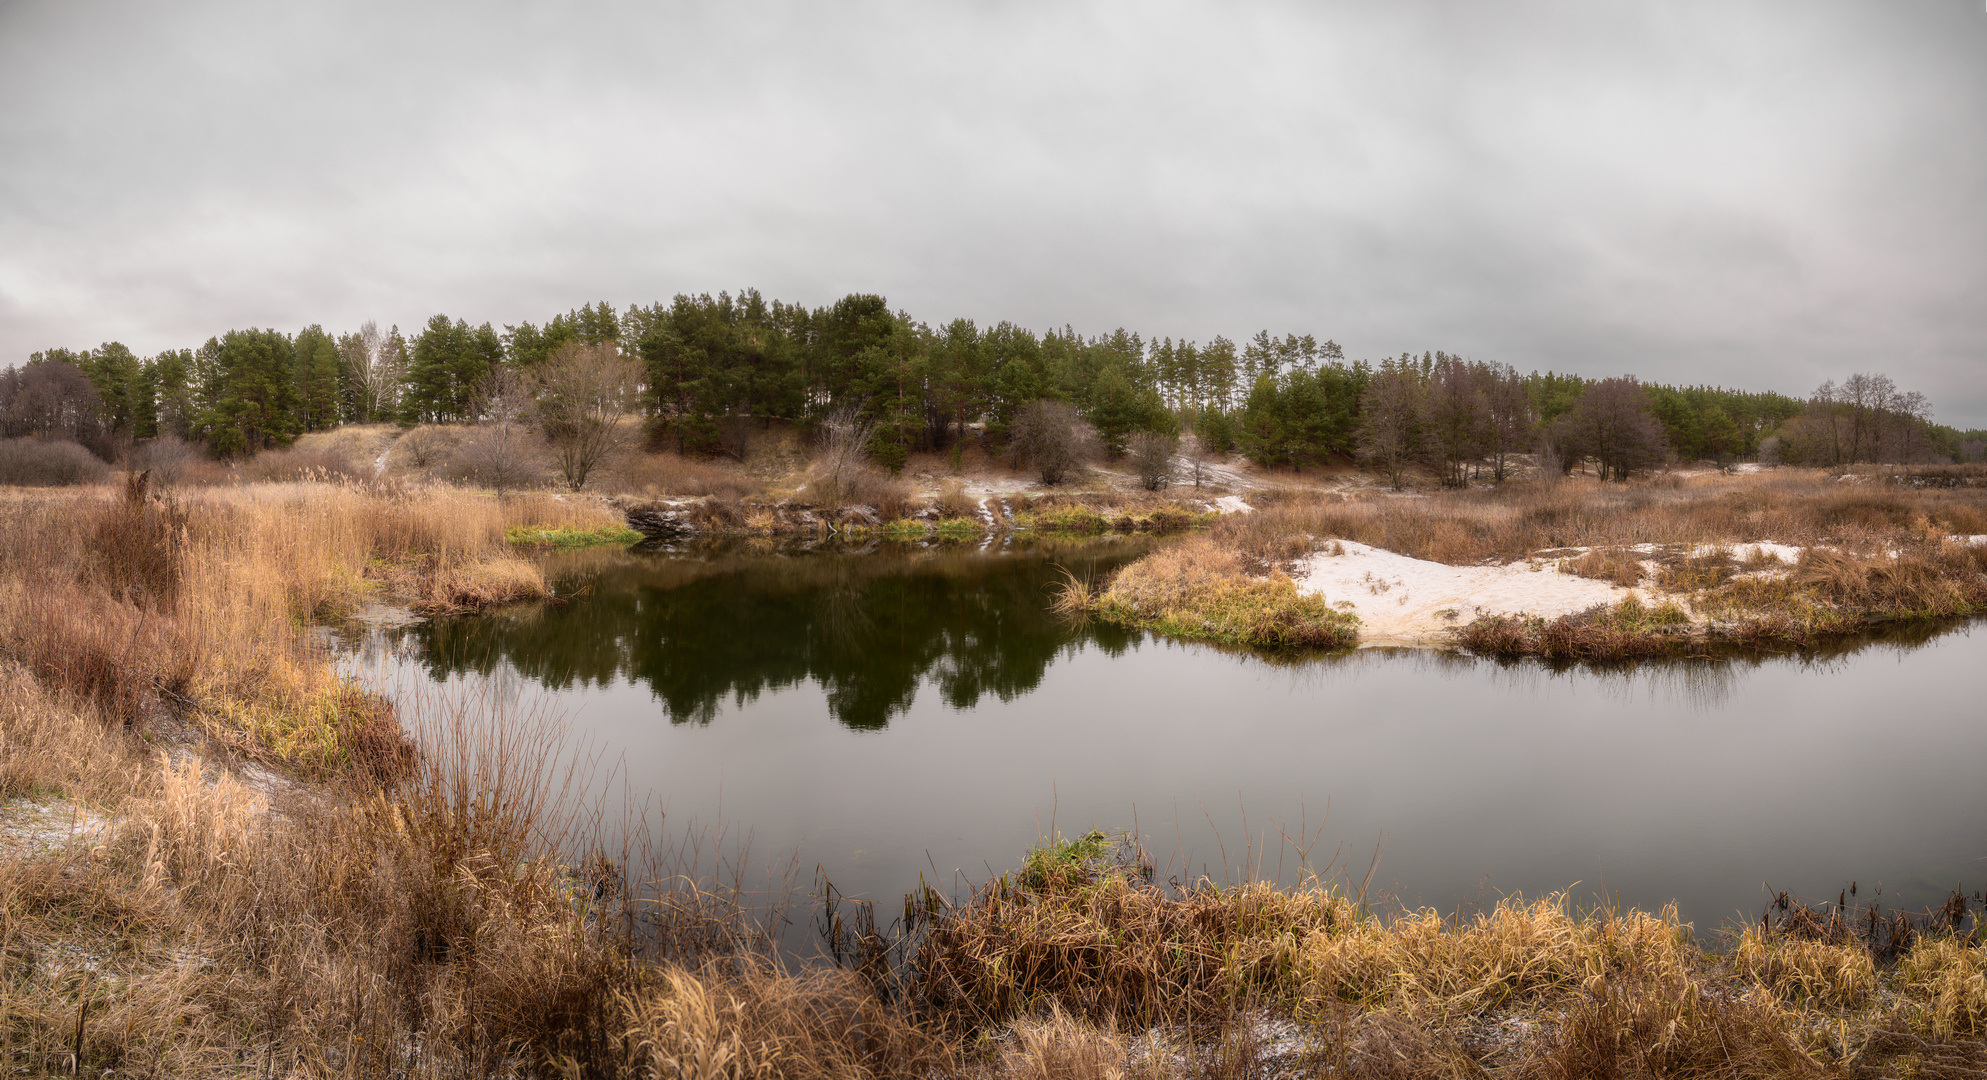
pixel 1755 194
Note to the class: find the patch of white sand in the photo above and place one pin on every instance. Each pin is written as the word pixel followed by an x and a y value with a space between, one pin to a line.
pixel 1786 553
pixel 1407 601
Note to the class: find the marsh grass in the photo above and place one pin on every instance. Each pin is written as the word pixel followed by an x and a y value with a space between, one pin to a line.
pixel 443 901
pixel 1199 591
pixel 195 603
pixel 1872 553
pixel 1617 566
pixel 1464 528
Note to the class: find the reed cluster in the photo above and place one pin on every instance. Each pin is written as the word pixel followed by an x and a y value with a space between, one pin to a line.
pixel 197 603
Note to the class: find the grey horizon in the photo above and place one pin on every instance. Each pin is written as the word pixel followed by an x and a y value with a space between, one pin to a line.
pixel 1760 195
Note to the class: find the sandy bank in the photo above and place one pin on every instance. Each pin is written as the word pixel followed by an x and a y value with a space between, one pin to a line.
pixel 1407 601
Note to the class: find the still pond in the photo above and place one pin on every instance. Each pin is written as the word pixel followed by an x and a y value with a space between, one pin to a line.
pixel 895 712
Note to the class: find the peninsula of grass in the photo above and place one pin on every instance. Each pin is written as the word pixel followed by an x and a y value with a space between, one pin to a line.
pixel 1825 596
pixel 1198 591
pixel 1699 563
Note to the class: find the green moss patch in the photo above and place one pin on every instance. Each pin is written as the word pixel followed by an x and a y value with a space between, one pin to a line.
pixel 570 538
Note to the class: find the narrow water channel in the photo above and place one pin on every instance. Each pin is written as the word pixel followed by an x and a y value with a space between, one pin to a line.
pixel 897 712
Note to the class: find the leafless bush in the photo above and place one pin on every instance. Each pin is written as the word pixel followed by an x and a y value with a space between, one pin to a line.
pixel 585 393
pixel 170 459
pixel 843 457
pixel 843 476
pixel 33 462
pixel 1152 457
pixel 1052 438
pixel 422 447
pixel 501 451
pixel 953 502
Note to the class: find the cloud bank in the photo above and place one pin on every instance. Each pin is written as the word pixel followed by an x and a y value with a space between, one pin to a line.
pixel 1755 194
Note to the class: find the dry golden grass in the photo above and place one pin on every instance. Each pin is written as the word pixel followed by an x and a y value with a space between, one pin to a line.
pixel 1800 971
pixel 455 588
pixel 1945 979
pixel 436 906
pixel 1199 590
pixel 1461 528
pixel 667 474
pixel 1619 566
pixel 196 603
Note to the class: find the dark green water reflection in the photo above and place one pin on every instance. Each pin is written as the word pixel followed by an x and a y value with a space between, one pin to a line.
pixel 898 712
pixel 727 623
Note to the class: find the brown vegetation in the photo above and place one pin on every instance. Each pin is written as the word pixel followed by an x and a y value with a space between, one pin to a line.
pixel 438 906
pixel 1872 552
pixel 1462 528
pixel 1198 590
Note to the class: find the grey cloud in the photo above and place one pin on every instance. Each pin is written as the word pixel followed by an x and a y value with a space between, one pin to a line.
pixel 1756 194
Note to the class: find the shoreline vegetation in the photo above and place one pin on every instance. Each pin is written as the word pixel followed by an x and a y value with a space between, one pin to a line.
pixel 1676 565
pixel 218 858
pixel 221 858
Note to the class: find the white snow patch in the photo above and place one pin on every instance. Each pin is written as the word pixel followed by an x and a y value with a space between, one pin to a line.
pixel 1233 504
pixel 1407 601
pixel 1980 538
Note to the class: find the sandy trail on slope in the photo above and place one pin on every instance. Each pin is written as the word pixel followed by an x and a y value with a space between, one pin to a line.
pixel 1407 601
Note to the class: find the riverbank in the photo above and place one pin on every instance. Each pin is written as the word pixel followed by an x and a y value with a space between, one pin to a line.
pixel 1579 570
pixel 220 859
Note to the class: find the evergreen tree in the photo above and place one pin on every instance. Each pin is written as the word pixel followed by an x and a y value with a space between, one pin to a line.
pixel 315 362
pixel 248 391
pixel 171 393
pixel 449 360
pixel 117 375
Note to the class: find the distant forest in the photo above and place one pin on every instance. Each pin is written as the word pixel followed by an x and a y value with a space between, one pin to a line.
pixel 715 370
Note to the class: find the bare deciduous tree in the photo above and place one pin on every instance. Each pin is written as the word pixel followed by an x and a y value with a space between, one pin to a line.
pixel 1456 422
pixel 585 392
pixel 1865 419
pixel 1152 457
pixel 1612 423
pixel 1198 458
pixel 842 467
pixel 377 363
pixel 1052 438
pixel 501 452
pixel 1512 421
pixel 1390 425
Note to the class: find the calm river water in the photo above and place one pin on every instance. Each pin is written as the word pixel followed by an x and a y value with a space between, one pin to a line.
pixel 899 712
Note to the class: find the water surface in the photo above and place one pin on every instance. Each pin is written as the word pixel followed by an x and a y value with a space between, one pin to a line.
pixel 899 711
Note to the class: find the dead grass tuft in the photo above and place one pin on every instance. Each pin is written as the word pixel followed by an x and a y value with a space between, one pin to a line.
pixel 1619 566
pixel 455 588
pixel 1198 590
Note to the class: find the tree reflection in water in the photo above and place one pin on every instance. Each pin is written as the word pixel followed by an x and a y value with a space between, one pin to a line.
pixel 727 623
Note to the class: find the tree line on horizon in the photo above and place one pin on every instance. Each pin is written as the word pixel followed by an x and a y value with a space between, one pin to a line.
pixel 713 370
